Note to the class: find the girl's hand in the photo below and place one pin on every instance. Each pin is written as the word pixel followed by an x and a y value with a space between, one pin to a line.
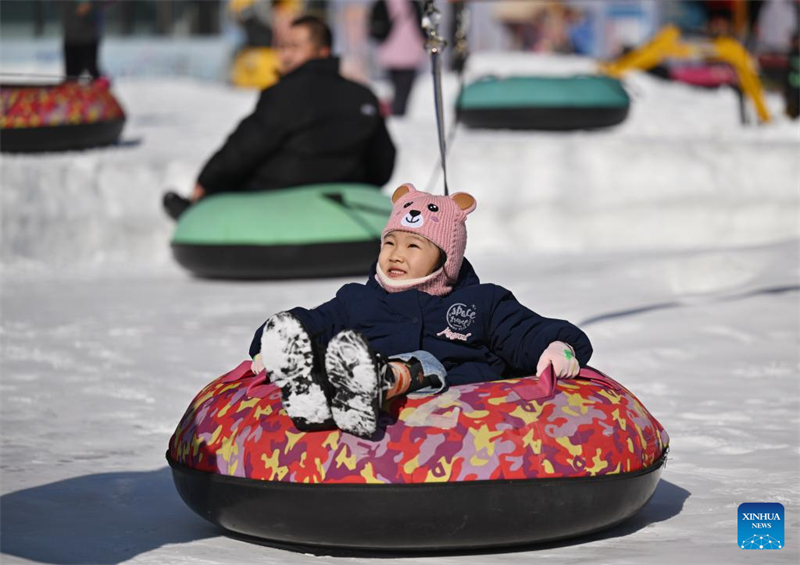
pixel 257 365
pixel 562 356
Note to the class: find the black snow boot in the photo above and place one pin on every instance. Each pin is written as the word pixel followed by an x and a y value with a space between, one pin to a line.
pixel 175 204
pixel 359 377
pixel 362 379
pixel 293 363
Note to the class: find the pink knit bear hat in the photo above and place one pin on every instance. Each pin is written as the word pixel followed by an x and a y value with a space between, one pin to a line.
pixel 440 220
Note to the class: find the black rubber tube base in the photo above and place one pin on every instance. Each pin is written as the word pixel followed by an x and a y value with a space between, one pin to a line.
pixel 419 517
pixel 546 119
pixel 60 138
pixel 276 262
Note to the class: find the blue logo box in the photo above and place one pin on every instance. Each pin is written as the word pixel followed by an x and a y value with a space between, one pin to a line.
pixel 761 525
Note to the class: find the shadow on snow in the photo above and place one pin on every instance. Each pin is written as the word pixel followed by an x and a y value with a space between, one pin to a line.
pixel 98 519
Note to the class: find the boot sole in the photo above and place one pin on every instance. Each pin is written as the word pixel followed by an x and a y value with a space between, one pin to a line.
pixel 354 376
pixel 288 356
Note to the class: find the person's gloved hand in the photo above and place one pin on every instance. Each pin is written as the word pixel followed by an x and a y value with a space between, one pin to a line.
pixel 562 356
pixel 257 365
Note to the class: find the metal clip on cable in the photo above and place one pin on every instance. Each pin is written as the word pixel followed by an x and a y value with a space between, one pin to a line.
pixel 435 45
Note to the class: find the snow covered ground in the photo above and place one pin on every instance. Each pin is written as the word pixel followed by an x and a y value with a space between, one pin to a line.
pixel 673 240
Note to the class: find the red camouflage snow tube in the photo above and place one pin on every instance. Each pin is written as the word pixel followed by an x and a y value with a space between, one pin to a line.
pixel 58 117
pixel 489 464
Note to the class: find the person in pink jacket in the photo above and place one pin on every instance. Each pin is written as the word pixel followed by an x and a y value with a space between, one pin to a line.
pixel 403 50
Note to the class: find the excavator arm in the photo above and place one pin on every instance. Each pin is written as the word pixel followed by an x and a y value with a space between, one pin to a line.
pixel 667 44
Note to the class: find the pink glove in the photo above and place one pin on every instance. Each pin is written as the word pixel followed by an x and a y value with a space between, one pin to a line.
pixel 257 365
pixel 562 356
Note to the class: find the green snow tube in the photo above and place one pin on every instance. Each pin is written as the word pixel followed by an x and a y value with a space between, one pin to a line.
pixel 323 230
pixel 543 103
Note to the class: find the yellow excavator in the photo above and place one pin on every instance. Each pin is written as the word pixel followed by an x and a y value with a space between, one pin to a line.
pixel 668 44
pixel 257 65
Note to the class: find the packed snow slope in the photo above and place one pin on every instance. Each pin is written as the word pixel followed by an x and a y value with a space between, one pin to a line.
pixel 671 239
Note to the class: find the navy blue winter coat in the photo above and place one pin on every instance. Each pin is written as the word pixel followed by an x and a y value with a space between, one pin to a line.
pixel 479 332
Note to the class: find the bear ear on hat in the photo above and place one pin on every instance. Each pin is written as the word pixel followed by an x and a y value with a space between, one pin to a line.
pixel 464 201
pixel 402 190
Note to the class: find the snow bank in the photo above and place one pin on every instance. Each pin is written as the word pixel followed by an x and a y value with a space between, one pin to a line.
pixel 681 172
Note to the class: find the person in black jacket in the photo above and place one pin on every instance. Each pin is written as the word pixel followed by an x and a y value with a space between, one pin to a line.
pixel 313 126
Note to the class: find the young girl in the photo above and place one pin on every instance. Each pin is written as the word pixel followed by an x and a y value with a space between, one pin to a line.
pixel 422 321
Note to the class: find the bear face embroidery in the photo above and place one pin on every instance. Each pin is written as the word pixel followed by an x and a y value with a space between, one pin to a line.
pixel 417 211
